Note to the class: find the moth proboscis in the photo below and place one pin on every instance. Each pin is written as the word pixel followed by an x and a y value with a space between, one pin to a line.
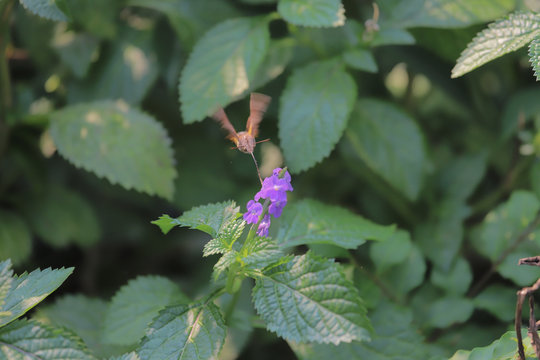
pixel 245 140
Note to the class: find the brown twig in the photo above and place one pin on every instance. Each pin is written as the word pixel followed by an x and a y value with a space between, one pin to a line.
pixel 535 340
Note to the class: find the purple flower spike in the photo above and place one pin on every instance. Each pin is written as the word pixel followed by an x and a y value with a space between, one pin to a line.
pixel 253 213
pixel 264 226
pixel 276 207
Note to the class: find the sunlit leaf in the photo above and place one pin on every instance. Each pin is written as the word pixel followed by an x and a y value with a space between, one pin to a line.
pixel 44 8
pixel 319 13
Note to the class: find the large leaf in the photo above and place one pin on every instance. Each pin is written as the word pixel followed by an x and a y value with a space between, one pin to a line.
pixel 194 331
pixel 45 8
pixel 15 239
pixel 499 300
pixel 124 145
pixel 208 218
pixel 314 109
pixel 501 37
pixel 128 356
pixel 25 340
pixel 311 222
pixel 534 56
pixel 222 65
pixel 126 73
pixel 135 305
pixel 444 13
pixel 319 13
pixel 395 338
pixel 309 300
pixel 83 315
pixel 61 216
pixel 5 281
pixel 27 290
pixel 390 143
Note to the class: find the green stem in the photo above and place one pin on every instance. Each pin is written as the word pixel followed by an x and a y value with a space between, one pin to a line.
pixel 231 307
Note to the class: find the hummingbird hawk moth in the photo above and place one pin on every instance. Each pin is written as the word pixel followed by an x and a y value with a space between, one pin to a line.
pixel 245 140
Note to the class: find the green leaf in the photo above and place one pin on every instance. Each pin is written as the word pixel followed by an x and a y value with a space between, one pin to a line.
pixel 456 281
pixel 498 300
pixel 280 53
pixel 407 275
pixel 96 16
pixel 195 331
pixel 261 252
pixel 76 50
pixel 390 143
pixel 311 222
pixel 121 144
pixel 521 106
pixel 394 338
pixel 44 8
pixel 222 65
pixel 391 251
pixel 309 300
pixel 534 56
pixel 504 348
pixel 314 110
pixel 81 314
pixel 230 232
pixel 501 37
pixel 209 218
pixel 127 72
pixel 317 13
pixel 444 13
pixel 449 310
pixel 505 223
pixel 360 59
pixel 24 340
pixel 27 290
pixel 15 239
pixel 61 216
pixel 135 305
pixel 5 281
pixel 392 36
pixel 460 177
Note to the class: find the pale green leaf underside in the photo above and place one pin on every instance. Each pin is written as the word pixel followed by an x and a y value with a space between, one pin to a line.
pixel 185 332
pixel 5 280
pixel 390 143
pixel 210 218
pixel 317 13
pixel 314 109
pixel 311 222
pixel 504 348
pixel 128 356
pixel 534 56
pixel 24 340
pixel 27 290
pixel 61 216
pixel 135 305
pixel 222 65
pixel 15 239
pixel 44 8
pixel 446 13
pixel 501 37
pixel 124 145
pixel 229 233
pixel 309 300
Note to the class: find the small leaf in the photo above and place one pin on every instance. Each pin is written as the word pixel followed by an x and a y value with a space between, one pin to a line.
pixel 391 251
pixel 312 222
pixel 135 305
pixel 222 65
pixel 314 110
pixel 230 232
pixel 360 59
pixel 260 253
pixel 392 36
pixel 15 239
pixel 27 290
pixel 44 8
pixel 501 37
pixel 318 13
pixel 390 143
pixel 195 331
pixel 23 339
pixel 124 145
pixel 208 218
pixel 61 216
pixel 499 300
pixel 309 300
